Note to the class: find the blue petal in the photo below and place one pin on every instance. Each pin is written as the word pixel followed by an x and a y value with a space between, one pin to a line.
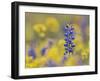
pixel 72 37
pixel 66 45
pixel 73 45
pixel 43 51
pixel 70 50
pixel 70 42
pixel 66 34
pixel 66 39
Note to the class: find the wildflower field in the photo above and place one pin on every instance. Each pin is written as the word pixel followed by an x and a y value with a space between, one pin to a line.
pixel 55 40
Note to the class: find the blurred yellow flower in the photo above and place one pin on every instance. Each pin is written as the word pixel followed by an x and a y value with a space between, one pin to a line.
pixel 28 59
pixel 71 61
pixel 42 34
pixel 85 53
pixel 52 24
pixel 40 29
pixel 60 46
pixel 42 60
pixel 35 63
pixel 53 54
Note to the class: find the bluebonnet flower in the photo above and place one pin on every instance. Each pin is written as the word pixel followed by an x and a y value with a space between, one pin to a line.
pixel 43 51
pixel 69 37
pixel 32 53
pixel 46 47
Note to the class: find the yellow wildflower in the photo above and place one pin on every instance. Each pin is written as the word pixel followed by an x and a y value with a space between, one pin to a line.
pixel 34 64
pixel 40 29
pixel 85 53
pixel 72 60
pixel 42 61
pixel 52 24
pixel 28 59
pixel 53 54
pixel 60 45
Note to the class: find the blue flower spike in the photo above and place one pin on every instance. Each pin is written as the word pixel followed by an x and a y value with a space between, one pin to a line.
pixel 69 37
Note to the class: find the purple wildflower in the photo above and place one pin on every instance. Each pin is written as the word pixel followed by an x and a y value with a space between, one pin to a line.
pixel 69 37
